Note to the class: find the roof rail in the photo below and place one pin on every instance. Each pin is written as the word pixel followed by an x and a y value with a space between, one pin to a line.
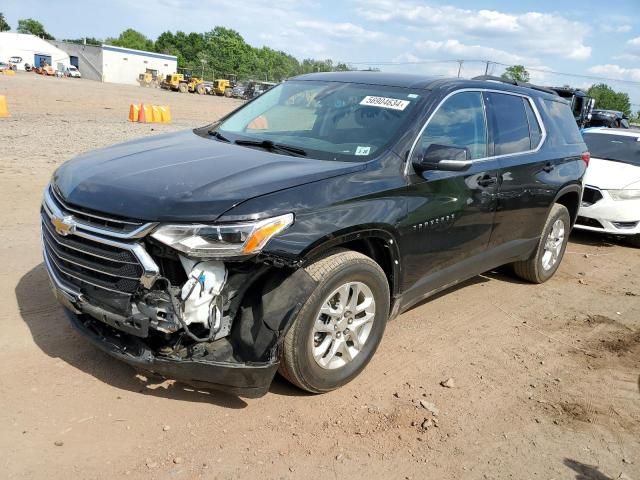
pixel 517 83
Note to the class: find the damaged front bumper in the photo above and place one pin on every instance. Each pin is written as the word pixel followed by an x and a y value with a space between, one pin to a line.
pixel 248 380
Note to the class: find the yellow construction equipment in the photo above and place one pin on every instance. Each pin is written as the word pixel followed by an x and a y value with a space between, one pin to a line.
pixel 183 81
pixel 222 86
pixel 149 78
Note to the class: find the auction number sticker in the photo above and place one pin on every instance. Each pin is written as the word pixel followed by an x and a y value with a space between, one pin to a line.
pixel 385 102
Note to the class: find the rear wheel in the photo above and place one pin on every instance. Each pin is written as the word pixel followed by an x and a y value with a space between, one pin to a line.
pixel 183 88
pixel 200 89
pixel 338 329
pixel 546 259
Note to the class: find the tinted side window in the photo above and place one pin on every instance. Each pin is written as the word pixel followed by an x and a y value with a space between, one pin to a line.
pixel 511 128
pixel 535 132
pixel 459 121
pixel 563 120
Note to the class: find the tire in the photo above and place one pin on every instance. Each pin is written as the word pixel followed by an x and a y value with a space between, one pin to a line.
pixel 182 88
pixel 335 270
pixel 228 92
pixel 200 89
pixel 535 269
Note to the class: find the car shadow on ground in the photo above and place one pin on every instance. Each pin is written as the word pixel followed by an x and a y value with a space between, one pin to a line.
pixel 54 335
pixel 595 239
pixel 584 471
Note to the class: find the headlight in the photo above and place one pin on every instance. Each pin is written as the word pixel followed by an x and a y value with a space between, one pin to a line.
pixel 624 194
pixel 224 240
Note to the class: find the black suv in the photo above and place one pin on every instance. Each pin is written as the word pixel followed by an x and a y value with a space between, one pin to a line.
pixel 284 236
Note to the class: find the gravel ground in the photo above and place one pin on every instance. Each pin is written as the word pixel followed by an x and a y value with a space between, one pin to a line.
pixel 544 378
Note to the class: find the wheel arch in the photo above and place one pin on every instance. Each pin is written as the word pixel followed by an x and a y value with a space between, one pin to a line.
pixel 570 196
pixel 379 244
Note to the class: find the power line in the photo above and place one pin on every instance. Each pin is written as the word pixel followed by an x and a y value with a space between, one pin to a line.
pixel 490 62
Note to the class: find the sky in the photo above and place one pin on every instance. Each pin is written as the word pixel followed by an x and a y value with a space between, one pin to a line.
pixel 583 38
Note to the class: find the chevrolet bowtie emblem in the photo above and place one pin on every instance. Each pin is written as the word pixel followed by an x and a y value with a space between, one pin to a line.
pixel 64 226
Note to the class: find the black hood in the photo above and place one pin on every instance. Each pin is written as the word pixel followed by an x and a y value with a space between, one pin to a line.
pixel 182 177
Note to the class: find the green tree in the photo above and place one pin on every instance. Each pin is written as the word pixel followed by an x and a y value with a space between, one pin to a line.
pixel 4 26
pixel 608 99
pixel 131 38
pixel 34 27
pixel 516 72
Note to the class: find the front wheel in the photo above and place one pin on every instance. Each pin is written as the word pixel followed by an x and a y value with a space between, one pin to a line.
pixel 339 327
pixel 544 262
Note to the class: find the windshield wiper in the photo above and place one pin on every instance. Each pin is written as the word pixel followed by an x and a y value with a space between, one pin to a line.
pixel 218 135
pixel 269 145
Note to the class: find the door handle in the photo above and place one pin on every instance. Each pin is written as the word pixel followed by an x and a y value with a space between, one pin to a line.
pixel 548 167
pixel 487 181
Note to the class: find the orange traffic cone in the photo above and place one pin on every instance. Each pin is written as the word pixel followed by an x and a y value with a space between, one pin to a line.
pixel 134 111
pixel 4 113
pixel 142 118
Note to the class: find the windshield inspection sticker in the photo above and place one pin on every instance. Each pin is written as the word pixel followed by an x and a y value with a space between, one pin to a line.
pixel 385 102
pixel 363 150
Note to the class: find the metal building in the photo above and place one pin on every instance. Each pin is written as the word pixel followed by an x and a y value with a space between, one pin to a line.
pixel 108 63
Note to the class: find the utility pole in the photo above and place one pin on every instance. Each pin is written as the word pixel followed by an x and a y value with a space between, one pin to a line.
pixel 460 62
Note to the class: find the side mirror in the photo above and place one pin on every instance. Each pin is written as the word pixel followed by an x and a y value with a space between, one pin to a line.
pixel 449 158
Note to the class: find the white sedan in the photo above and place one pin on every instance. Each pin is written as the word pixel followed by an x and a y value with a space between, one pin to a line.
pixel 611 198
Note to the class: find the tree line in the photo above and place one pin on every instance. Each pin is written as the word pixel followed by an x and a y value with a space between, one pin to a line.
pixel 224 51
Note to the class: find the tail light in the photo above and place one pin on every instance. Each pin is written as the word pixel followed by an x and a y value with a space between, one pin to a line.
pixel 586 156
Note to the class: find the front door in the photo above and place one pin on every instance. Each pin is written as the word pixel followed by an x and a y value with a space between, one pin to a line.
pixel 450 214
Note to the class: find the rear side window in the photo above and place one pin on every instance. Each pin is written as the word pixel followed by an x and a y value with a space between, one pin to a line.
pixel 535 132
pixel 563 121
pixel 459 121
pixel 510 124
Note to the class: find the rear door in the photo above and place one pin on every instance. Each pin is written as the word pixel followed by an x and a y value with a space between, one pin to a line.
pixel 450 214
pixel 526 171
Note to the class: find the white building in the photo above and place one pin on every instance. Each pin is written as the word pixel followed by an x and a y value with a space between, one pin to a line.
pixel 108 63
pixel 123 65
pixel 32 50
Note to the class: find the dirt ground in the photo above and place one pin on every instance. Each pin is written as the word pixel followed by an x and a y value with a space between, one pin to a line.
pixel 545 377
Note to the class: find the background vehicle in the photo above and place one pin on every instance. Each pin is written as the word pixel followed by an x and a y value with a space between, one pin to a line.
pixel 305 220
pixel 223 86
pixel 609 119
pixel 183 81
pixel 73 72
pixel 611 198
pixel 149 78
pixel 581 103
pixel 4 66
pixel 239 91
pixel 45 69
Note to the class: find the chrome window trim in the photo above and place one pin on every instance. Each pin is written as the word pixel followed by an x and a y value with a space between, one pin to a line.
pixel 533 105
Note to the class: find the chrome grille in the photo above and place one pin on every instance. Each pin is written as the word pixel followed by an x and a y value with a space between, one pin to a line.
pixel 89 255
pixel 98 222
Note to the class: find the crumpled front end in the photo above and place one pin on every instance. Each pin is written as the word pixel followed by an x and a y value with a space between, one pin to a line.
pixel 207 323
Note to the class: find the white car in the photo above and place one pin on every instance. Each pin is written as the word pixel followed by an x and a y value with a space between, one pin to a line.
pixel 611 198
pixel 72 71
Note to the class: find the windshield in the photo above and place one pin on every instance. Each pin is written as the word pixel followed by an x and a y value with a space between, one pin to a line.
pixel 619 148
pixel 328 120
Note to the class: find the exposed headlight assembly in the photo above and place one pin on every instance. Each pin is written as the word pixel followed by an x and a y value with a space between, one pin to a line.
pixel 626 194
pixel 223 240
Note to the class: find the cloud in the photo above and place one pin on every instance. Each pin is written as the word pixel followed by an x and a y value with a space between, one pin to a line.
pixel 460 50
pixel 633 46
pixel 536 33
pixel 609 28
pixel 344 30
pixel 616 71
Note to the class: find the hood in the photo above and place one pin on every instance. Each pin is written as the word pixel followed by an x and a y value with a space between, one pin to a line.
pixel 182 177
pixel 610 175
